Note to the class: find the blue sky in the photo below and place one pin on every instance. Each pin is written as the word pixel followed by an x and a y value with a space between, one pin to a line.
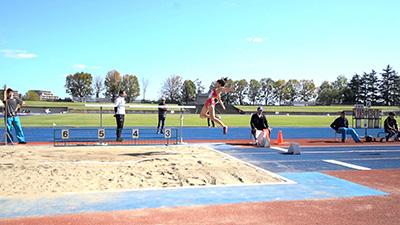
pixel 43 41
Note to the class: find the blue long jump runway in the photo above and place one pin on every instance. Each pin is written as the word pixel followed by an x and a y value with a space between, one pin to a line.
pixel 40 134
pixel 309 186
pixel 312 158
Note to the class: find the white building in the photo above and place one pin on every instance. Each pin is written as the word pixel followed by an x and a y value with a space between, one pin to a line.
pixel 46 95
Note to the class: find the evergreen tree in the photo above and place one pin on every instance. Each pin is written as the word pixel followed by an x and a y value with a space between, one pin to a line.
pixel 372 87
pixel 363 93
pixel 390 87
pixel 355 85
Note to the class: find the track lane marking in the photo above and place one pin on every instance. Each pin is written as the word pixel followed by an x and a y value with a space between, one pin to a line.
pixel 280 149
pixel 346 164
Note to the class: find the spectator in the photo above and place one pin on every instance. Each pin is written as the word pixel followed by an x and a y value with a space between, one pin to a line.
pixel 341 125
pixel 391 127
pixel 162 115
pixel 120 114
pixel 12 105
pixel 258 122
pixel 208 122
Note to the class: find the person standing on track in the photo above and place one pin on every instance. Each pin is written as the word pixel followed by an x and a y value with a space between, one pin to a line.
pixel 208 110
pixel 162 115
pixel 120 114
pixel 13 104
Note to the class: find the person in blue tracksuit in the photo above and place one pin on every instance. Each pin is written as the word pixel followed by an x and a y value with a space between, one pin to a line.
pixel 11 106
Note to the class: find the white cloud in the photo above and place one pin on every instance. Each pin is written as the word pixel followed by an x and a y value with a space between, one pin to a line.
pixel 96 67
pixel 17 54
pixel 255 39
pixel 80 66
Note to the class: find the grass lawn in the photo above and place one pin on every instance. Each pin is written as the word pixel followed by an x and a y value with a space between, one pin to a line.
pixel 327 109
pixel 247 108
pixel 81 106
pixel 150 120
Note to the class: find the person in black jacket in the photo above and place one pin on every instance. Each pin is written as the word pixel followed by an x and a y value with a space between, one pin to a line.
pixel 258 121
pixel 391 127
pixel 341 125
pixel 162 115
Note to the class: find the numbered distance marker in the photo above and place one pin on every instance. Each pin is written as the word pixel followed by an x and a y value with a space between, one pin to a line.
pixel 167 133
pixel 135 133
pixel 65 134
pixel 101 133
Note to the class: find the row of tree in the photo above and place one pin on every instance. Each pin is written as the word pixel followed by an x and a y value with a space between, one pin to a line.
pixel 380 90
pixel 82 85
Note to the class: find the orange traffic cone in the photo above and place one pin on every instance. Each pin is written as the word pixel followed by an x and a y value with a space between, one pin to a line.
pixel 280 139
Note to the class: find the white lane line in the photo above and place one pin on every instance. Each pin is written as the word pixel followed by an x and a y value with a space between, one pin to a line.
pixel 280 149
pixel 346 164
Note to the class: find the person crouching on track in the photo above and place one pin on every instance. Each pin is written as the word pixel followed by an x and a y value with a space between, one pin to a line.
pixel 392 127
pixel 208 110
pixel 258 122
pixel 341 125
pixel 13 104
pixel 120 114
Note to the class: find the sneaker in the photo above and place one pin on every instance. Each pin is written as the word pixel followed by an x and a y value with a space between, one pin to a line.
pixel 158 132
pixel 225 130
pixel 162 132
pixel 343 140
pixel 22 142
pixel 120 139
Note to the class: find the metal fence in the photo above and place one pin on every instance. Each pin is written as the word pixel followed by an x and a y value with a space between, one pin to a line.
pixel 107 136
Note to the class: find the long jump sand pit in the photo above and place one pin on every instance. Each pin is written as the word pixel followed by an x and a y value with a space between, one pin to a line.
pixel 44 170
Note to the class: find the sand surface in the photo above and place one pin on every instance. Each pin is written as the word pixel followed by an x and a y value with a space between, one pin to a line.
pixel 45 170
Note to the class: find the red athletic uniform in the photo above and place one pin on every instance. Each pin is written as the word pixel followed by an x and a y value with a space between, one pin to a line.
pixel 211 98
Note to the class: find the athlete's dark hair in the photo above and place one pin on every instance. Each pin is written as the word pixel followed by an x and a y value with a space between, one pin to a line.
pixel 121 92
pixel 222 81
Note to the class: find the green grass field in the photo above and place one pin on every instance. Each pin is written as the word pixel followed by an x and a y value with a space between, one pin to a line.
pixel 81 106
pixel 150 120
pixel 326 109
pixel 247 108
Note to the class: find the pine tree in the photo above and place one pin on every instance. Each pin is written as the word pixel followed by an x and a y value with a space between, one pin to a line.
pixel 355 85
pixel 373 88
pixel 390 87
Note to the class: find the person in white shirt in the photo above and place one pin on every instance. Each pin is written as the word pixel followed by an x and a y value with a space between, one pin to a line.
pixel 120 114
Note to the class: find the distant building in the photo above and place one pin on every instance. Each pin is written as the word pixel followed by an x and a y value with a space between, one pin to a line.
pixel 201 98
pixel 46 95
pixel 300 104
pixel 16 94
